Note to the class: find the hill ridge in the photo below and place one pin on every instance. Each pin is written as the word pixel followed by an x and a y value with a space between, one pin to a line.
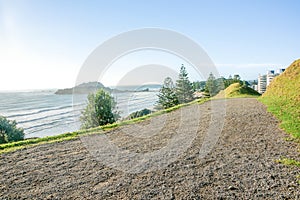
pixel 236 90
pixel 282 98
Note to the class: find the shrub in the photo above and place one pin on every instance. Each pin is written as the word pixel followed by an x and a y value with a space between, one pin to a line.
pixel 99 111
pixel 9 132
pixel 139 113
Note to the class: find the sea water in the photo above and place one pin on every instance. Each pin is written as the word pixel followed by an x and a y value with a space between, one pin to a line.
pixel 43 113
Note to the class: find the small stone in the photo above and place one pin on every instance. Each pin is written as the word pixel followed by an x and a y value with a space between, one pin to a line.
pixel 232 188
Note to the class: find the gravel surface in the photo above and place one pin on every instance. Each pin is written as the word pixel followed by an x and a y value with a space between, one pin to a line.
pixel 241 164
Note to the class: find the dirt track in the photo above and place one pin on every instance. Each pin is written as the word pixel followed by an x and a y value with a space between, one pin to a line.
pixel 240 166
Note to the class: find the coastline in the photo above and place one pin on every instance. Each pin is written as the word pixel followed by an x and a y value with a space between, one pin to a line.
pixel 42 113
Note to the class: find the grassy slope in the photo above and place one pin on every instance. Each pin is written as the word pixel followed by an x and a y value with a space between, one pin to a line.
pixel 283 99
pixel 8 147
pixel 236 90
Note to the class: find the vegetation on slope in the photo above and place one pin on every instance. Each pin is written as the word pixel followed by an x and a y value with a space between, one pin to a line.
pixel 99 111
pixel 171 95
pixel 139 113
pixel 237 90
pixel 8 147
pixel 9 132
pixel 283 98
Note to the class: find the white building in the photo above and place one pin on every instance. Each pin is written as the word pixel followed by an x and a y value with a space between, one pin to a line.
pixel 270 76
pixel 279 71
pixel 265 80
pixel 262 83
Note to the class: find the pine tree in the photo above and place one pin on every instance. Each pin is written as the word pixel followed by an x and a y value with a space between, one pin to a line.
pixel 184 89
pixel 167 97
pixel 211 85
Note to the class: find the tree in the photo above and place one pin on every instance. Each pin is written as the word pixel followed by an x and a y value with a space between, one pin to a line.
pixel 99 111
pixel 9 132
pixel 236 77
pixel 198 86
pixel 220 84
pixel 211 85
pixel 167 96
pixel 184 89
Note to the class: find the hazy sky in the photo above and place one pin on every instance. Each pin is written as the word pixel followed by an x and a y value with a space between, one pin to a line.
pixel 43 43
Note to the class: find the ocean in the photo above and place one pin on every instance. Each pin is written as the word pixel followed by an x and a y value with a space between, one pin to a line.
pixel 43 113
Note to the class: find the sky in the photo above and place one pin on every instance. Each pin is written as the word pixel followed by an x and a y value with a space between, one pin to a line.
pixel 44 43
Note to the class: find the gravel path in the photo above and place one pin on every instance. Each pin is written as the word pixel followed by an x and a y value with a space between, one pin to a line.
pixel 241 164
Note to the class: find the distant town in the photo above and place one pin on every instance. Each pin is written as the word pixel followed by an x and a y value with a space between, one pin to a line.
pixel 264 80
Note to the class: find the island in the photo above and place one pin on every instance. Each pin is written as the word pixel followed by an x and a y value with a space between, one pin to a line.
pixel 86 88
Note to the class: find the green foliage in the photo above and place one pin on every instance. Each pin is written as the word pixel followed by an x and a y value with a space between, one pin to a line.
pixel 211 86
pixel 198 86
pixel 170 96
pixel 283 99
pixel 184 89
pixel 99 111
pixel 167 96
pixel 230 80
pixel 9 132
pixel 236 77
pixel 139 113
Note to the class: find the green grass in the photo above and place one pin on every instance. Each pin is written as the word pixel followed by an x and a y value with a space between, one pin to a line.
pixel 288 161
pixel 8 147
pixel 282 99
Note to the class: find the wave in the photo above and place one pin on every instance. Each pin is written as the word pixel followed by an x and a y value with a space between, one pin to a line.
pixel 50 128
pixel 51 123
pixel 39 111
pixel 44 115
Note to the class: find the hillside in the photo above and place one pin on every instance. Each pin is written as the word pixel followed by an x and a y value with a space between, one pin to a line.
pixel 242 164
pixel 283 98
pixel 237 90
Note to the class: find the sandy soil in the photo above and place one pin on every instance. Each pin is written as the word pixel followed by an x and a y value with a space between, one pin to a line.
pixel 241 165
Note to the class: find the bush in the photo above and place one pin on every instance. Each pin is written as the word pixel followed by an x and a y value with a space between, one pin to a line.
pixel 139 113
pixel 9 132
pixel 99 111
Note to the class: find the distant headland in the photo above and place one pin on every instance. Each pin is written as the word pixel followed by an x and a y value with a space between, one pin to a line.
pixel 86 88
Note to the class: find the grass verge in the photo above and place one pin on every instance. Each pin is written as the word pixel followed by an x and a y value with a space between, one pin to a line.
pixel 286 111
pixel 13 146
pixel 283 99
pixel 288 161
